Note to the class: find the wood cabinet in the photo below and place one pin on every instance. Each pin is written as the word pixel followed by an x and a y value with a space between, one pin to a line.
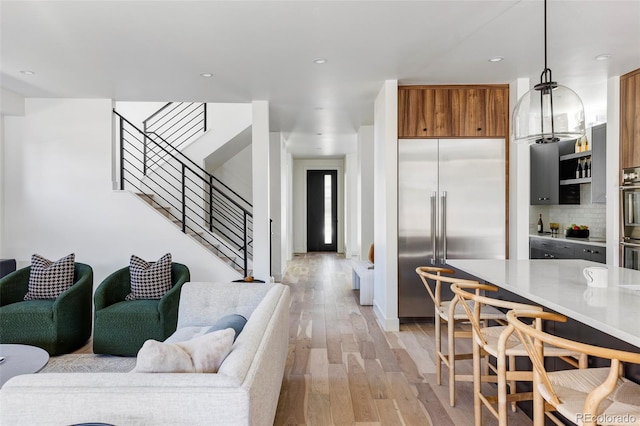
pixel 453 111
pixel 630 120
pixel 424 112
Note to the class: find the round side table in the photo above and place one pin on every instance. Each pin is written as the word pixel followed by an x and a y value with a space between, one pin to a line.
pixel 20 359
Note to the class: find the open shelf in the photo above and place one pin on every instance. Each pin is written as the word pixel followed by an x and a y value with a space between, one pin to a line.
pixel 575 181
pixel 575 155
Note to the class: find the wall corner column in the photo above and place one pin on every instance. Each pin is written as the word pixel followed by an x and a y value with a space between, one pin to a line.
pixel 261 190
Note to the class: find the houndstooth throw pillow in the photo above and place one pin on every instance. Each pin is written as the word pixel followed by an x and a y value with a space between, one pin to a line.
pixel 149 280
pixel 47 279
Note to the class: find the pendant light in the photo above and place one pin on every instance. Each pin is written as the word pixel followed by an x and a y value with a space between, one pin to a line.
pixel 549 112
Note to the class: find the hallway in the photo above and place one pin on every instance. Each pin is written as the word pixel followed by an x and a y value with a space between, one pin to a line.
pixel 343 369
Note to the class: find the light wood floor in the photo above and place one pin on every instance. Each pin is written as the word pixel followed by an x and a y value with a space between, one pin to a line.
pixel 342 369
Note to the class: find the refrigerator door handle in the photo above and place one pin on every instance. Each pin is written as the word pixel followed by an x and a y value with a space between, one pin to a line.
pixel 434 241
pixel 443 225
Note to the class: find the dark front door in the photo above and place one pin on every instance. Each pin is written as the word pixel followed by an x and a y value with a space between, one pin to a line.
pixel 322 210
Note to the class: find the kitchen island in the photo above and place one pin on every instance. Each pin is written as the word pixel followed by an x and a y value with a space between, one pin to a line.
pixel 560 286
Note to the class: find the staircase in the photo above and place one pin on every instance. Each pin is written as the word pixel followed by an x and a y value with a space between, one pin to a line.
pixel 199 204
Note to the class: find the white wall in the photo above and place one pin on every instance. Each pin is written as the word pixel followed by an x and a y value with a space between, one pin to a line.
pixel 224 122
pixel 137 112
pixel 58 196
pixel 236 173
pixel 519 198
pixel 288 249
pixel 300 167
pixel 11 103
pixel 261 189
pixel 613 171
pixel 365 231
pixel 351 203
pixel 275 183
pixel 385 290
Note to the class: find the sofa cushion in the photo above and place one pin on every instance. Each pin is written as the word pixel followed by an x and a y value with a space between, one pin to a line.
pixel 149 280
pixel 233 321
pixel 202 354
pixel 47 279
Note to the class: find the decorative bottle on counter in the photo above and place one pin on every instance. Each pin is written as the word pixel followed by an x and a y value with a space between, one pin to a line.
pixel 540 226
pixel 585 144
pixel 578 146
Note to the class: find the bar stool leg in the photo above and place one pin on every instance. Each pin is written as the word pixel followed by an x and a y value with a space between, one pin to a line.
pixel 451 356
pixel 512 383
pixel 502 390
pixel 477 404
pixel 438 360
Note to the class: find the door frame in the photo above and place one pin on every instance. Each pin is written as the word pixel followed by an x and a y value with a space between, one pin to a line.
pixel 300 205
pixel 321 246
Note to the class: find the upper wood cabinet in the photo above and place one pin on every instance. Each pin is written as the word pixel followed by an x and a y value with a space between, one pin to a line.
pixel 630 120
pixel 424 112
pixel 453 111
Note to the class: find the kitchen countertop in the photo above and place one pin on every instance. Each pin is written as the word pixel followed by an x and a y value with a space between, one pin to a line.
pixel 560 237
pixel 560 286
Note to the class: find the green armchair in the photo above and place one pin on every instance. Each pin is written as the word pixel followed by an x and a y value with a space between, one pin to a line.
pixel 58 326
pixel 122 326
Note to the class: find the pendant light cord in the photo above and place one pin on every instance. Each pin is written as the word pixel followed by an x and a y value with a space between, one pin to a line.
pixel 545 35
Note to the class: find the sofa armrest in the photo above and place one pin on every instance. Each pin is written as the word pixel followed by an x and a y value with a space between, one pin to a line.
pixel 113 289
pixel 14 286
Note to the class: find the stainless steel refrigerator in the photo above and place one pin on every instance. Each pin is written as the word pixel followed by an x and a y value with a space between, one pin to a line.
pixel 451 205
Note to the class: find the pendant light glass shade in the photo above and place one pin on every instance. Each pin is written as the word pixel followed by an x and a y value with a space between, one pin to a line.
pixel 534 122
pixel 549 112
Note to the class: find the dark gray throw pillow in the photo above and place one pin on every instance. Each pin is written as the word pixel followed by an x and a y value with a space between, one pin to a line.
pixel 234 321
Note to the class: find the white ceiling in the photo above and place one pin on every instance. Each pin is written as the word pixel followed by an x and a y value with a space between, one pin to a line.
pixel 264 50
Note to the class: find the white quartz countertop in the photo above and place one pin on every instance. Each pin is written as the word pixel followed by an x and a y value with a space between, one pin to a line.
pixel 560 286
pixel 560 237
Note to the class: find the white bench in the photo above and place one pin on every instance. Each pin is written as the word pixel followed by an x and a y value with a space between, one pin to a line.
pixel 362 279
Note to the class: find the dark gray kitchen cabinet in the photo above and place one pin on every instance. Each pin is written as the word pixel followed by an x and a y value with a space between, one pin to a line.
pixel 599 164
pixel 544 174
pixel 546 248
pixel 593 253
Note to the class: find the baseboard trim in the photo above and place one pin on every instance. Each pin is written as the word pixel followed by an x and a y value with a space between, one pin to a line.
pixel 387 324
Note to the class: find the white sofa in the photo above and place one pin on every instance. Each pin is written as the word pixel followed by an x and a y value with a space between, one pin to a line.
pixel 245 390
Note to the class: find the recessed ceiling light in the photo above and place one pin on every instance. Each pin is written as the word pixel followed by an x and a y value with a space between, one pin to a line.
pixel 320 61
pixel 206 74
pixel 496 59
pixel 27 72
pixel 602 57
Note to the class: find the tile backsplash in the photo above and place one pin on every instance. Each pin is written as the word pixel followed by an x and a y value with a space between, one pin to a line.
pixel 585 213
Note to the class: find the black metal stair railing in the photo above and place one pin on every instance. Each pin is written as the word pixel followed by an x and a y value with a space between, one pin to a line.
pixel 200 203
pixel 176 123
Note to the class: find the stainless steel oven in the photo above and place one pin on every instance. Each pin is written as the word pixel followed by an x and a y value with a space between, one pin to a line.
pixel 631 254
pixel 630 209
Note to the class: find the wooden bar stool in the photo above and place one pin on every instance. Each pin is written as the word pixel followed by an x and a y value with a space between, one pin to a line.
pixel 587 396
pixel 501 343
pixel 449 312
